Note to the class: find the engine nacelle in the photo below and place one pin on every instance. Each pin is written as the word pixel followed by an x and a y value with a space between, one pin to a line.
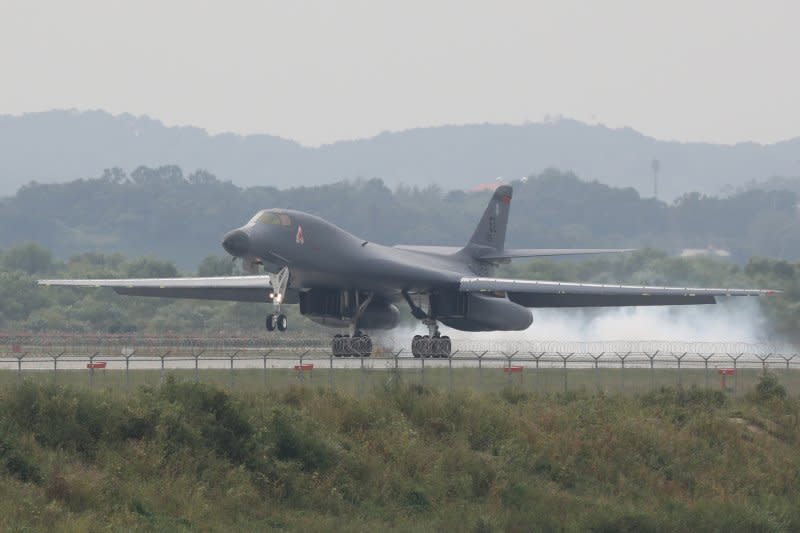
pixel 480 312
pixel 336 309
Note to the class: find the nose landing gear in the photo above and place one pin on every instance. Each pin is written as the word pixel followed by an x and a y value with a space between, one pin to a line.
pixel 277 321
pixel 279 283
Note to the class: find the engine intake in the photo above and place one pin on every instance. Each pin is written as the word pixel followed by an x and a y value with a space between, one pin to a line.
pixel 336 309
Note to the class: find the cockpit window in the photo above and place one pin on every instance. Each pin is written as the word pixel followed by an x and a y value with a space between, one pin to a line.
pixel 271 217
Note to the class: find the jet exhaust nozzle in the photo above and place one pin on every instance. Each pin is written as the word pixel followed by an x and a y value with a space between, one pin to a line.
pixel 236 243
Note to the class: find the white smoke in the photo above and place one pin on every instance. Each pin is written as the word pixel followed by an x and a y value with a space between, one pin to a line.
pixel 737 320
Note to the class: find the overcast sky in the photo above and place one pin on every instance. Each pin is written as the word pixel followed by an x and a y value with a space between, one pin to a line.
pixel 317 72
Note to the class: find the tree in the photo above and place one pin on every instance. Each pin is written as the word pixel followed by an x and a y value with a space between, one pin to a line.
pixel 147 267
pixel 214 265
pixel 27 257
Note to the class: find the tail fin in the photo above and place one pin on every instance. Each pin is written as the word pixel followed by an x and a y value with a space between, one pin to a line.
pixel 491 230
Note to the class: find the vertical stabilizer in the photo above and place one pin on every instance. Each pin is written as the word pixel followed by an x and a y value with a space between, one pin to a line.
pixel 491 230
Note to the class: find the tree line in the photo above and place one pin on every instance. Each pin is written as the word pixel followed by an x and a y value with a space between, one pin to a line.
pixel 163 212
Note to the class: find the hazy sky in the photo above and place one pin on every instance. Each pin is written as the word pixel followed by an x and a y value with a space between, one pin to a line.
pixel 722 71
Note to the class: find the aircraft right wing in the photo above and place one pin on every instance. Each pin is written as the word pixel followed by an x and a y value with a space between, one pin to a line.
pixel 230 288
pixel 533 293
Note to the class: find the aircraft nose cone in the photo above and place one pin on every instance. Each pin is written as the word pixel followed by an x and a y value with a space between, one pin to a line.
pixel 236 243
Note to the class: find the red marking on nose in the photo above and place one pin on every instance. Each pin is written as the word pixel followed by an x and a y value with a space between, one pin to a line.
pixel 506 199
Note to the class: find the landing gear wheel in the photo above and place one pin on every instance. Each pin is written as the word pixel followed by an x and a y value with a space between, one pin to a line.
pixel 428 346
pixel 270 322
pixel 337 346
pixel 415 348
pixel 347 346
pixel 281 322
pixel 365 346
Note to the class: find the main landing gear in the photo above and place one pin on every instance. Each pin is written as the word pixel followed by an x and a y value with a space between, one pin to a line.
pixel 356 344
pixel 279 283
pixel 359 345
pixel 433 344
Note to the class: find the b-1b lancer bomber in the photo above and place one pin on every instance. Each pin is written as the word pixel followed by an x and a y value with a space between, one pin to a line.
pixel 342 281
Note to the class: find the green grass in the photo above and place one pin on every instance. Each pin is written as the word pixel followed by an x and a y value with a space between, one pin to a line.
pixel 195 456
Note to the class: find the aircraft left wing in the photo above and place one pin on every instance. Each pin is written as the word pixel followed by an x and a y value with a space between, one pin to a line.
pixel 230 288
pixel 533 293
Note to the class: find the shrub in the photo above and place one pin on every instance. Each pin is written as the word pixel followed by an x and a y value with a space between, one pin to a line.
pixel 768 388
pixel 294 438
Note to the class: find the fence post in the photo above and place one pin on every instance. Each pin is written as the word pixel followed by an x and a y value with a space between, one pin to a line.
pixel 19 368
pixel 361 378
pixel 91 370
pixel 264 357
pixel 622 369
pixel 55 365
pixel 162 357
pixel 127 370
pixel 233 377
pixel 508 371
pixel 565 358
pixel 538 373
pixel 330 371
pixel 764 362
pixel 735 372
pixel 705 363
pixel 396 356
pixel 450 370
pixel 480 368
pixel 679 358
pixel 652 358
pixel 596 359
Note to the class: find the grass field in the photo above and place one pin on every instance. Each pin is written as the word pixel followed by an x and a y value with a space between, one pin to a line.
pixel 196 456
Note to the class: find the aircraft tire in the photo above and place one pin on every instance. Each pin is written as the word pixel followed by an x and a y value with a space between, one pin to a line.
pixel 447 346
pixel 415 351
pixel 336 346
pixel 365 346
pixel 270 322
pixel 347 346
pixel 437 347
pixel 282 323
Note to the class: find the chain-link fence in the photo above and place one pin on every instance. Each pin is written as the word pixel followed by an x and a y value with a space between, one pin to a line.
pixel 256 363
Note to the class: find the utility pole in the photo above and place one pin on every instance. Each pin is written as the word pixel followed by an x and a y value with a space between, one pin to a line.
pixel 655 166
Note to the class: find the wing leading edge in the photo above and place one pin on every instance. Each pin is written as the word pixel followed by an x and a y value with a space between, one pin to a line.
pixel 532 293
pixel 230 288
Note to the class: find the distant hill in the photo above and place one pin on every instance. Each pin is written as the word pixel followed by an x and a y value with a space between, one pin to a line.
pixel 59 146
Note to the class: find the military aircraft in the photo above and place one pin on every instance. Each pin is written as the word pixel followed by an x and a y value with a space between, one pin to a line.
pixel 340 280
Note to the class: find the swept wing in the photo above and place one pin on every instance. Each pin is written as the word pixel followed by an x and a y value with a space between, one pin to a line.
pixel 533 293
pixel 231 288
